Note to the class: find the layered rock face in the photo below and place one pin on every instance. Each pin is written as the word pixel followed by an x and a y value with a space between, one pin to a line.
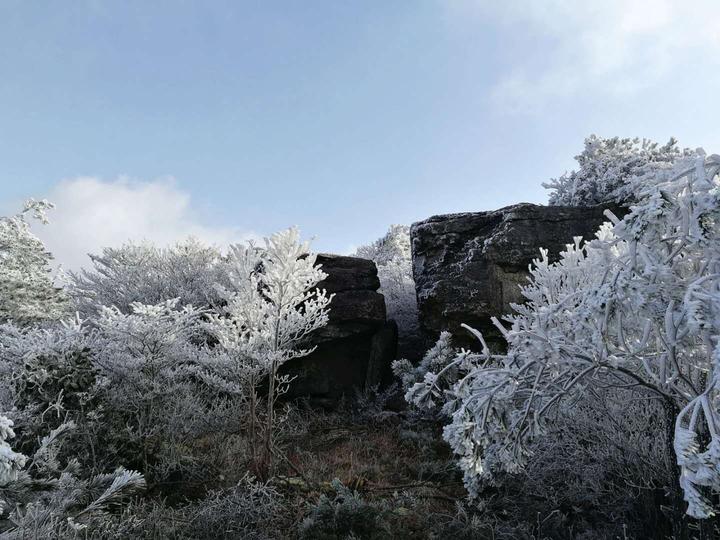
pixel 469 267
pixel 358 344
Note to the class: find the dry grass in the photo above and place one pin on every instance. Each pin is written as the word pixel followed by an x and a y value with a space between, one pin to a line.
pixel 386 466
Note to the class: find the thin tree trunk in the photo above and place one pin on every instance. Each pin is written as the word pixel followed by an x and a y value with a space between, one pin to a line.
pixel 268 461
pixel 253 426
pixel 677 514
pixel 271 396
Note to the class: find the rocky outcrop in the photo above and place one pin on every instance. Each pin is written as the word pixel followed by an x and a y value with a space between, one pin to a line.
pixel 358 344
pixel 469 267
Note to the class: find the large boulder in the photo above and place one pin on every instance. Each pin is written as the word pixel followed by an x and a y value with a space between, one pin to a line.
pixel 356 347
pixel 469 267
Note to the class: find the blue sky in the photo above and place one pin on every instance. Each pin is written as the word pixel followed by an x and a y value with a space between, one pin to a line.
pixel 159 119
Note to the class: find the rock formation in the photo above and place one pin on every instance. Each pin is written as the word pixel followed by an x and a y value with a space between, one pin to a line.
pixel 358 344
pixel 469 267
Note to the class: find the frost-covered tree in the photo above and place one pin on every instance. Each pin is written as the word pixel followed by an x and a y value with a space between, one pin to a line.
pixel 394 246
pixel 607 167
pixel 636 309
pixel 272 305
pixel 27 293
pixel 392 256
pixel 149 275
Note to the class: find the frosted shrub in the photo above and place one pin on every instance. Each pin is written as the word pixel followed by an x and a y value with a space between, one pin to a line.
pixel 10 462
pixel 66 506
pixel 127 382
pixel 147 274
pixel 142 358
pixel 607 168
pixel 636 308
pixel 249 510
pixel 436 380
pixel 41 498
pixel 608 455
pixel 344 515
pixel 49 379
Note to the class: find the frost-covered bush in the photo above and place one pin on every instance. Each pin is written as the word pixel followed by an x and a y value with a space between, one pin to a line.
pixel 49 380
pixel 144 379
pixel 600 471
pixel 149 275
pixel 343 515
pixel 372 404
pixel 129 384
pixel 607 168
pixel 11 462
pixel 52 390
pixel 42 498
pixel 249 510
pixel 392 256
pixel 27 293
pixel 604 466
pixel 636 308
pixel 430 370
pixel 68 506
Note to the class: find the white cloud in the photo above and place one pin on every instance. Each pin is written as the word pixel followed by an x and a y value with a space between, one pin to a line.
pixel 91 214
pixel 612 47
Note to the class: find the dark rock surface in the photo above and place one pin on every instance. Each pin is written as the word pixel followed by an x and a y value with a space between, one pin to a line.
pixel 469 267
pixel 383 350
pixel 358 344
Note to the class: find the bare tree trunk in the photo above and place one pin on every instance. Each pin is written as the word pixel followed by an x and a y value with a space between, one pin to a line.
pixel 268 461
pixel 677 504
pixel 253 426
pixel 268 457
